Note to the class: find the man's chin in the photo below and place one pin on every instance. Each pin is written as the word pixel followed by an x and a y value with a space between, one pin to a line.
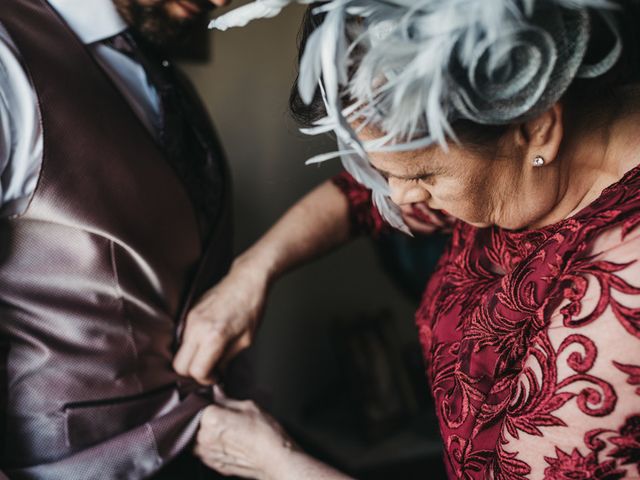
pixel 164 24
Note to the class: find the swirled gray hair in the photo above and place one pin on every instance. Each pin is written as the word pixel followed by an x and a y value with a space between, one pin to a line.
pixel 414 67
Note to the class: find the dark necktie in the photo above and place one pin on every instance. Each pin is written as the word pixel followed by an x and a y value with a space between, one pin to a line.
pixel 183 133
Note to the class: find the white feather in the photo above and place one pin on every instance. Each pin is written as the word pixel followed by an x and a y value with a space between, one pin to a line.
pixel 422 64
pixel 241 16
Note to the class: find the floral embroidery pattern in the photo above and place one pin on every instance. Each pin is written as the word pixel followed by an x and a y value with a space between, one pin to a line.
pixel 633 371
pixel 497 371
pixel 605 274
pixel 575 466
pixel 533 404
pixel 628 443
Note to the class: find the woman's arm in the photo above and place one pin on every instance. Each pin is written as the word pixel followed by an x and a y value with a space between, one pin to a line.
pixel 225 319
pixel 313 226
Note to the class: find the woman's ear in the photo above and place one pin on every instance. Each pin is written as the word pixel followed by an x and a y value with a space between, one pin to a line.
pixel 541 137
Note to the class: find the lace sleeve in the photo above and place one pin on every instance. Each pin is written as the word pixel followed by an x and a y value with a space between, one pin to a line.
pixel 576 410
pixel 363 215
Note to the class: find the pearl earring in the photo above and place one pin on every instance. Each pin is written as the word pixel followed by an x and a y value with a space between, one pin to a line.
pixel 539 161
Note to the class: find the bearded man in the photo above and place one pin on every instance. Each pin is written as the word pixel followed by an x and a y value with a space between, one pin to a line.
pixel 113 218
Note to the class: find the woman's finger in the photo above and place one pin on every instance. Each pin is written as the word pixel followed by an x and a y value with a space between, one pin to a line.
pixel 243 342
pixel 184 356
pixel 191 337
pixel 211 346
pixel 237 405
pixel 202 364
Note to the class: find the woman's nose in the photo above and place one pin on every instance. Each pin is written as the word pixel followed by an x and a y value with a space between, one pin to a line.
pixel 404 192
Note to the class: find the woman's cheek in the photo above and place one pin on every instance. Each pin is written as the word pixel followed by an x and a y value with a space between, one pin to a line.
pixel 445 196
pixel 465 205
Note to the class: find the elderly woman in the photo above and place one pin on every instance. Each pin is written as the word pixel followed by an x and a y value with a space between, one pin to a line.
pixel 515 125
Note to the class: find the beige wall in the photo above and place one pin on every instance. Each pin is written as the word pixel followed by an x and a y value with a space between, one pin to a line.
pixel 246 89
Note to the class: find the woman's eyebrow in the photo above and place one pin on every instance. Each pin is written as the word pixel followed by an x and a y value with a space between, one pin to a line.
pixel 415 176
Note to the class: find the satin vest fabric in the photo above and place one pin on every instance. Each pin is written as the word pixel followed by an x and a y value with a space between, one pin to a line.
pixel 96 278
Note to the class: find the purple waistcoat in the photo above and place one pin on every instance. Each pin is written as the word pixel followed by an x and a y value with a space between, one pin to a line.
pixel 95 278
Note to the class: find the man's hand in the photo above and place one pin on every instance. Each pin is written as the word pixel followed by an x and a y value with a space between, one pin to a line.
pixel 222 323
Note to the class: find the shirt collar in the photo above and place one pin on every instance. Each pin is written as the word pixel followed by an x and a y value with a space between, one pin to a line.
pixel 91 20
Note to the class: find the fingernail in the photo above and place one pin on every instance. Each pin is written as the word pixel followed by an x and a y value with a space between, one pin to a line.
pixel 217 391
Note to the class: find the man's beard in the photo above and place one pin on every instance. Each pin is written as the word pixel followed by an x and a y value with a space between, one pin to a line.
pixel 155 23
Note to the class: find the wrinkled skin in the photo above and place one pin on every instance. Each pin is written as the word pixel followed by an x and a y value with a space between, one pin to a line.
pixel 237 438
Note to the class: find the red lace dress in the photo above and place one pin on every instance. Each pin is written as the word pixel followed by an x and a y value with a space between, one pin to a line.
pixel 532 341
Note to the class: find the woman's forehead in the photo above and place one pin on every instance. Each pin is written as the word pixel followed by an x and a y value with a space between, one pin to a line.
pixel 405 163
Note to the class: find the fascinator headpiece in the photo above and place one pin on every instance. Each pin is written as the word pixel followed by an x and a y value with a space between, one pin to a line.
pixel 413 68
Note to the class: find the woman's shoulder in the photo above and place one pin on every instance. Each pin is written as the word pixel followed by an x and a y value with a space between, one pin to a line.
pixel 621 240
pixel 612 221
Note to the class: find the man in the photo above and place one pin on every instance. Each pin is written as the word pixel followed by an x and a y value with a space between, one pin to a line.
pixel 113 219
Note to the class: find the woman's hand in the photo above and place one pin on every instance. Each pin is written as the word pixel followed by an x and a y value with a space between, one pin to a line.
pixel 423 221
pixel 223 322
pixel 237 438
